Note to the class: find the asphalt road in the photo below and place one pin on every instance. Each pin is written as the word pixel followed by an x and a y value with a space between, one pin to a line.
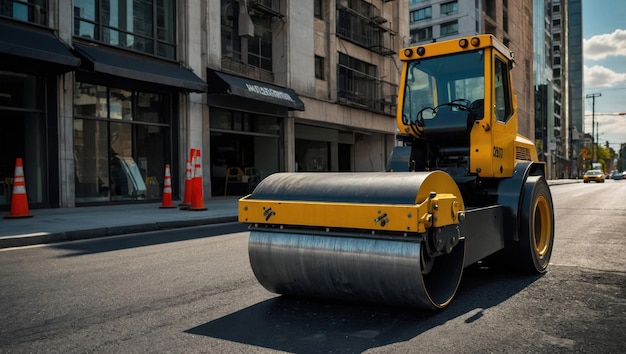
pixel 192 290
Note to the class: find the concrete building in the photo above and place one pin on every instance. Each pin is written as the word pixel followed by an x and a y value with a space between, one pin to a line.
pixel 564 139
pixel 547 90
pixel 97 97
pixel 509 20
pixel 573 75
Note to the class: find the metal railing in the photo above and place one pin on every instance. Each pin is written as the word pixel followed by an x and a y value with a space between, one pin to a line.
pixel 356 88
pixel 253 72
pixel 366 32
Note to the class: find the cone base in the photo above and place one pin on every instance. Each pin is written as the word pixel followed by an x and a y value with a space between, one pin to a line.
pixel 166 206
pixel 17 216
pixel 197 209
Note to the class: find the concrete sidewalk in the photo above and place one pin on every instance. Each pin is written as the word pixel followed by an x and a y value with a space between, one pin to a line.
pixel 64 224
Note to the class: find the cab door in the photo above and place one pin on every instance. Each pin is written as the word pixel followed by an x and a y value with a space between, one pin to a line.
pixel 504 118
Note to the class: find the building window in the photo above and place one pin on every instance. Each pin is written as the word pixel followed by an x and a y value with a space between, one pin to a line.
pixel 318 9
pixel 358 85
pixel 421 34
pixel 362 24
pixel 260 47
pixel 449 28
pixel 356 80
pixel 34 11
pixel 319 68
pixel 121 143
pixel 257 40
pixel 505 20
pixel 449 8
pixel 420 14
pixel 490 8
pixel 413 2
pixel 141 25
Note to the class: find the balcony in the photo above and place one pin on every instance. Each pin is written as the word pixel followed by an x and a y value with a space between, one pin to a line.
pixel 366 28
pixel 267 7
pixel 357 89
pixel 236 67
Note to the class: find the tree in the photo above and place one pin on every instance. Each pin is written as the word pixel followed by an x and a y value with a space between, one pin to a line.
pixel 604 157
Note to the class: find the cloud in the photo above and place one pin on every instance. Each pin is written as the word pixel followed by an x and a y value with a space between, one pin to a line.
pixel 600 76
pixel 605 45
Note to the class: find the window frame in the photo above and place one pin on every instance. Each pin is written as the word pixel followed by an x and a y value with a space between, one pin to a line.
pixel 421 14
pixel 320 72
pixel 36 11
pixel 453 4
pixel 447 25
pixel 146 41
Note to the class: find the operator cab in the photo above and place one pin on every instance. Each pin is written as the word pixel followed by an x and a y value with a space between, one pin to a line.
pixel 443 97
pixel 456 109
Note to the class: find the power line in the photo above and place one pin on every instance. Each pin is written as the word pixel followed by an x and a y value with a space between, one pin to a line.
pixel 606 88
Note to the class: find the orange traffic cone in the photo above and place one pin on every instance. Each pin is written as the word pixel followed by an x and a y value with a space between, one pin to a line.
pixel 19 200
pixel 188 181
pixel 167 189
pixel 197 199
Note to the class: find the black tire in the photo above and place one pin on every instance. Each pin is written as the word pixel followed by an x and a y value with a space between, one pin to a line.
pixel 536 226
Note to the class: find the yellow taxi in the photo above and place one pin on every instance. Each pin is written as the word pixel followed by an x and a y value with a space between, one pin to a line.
pixel 593 175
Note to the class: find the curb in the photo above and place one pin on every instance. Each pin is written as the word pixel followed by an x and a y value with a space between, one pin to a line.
pixel 73 235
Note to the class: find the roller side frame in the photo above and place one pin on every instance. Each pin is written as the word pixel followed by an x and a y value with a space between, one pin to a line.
pixel 483 230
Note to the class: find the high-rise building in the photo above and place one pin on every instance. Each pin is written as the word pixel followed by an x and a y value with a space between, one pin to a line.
pixel 508 20
pixel 567 71
pixel 571 11
pixel 547 91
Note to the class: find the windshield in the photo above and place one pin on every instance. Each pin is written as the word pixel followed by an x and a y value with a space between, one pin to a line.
pixel 434 81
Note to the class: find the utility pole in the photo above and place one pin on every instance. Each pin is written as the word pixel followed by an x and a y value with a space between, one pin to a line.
pixel 593 123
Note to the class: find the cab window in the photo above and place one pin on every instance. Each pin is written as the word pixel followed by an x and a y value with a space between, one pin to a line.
pixel 502 103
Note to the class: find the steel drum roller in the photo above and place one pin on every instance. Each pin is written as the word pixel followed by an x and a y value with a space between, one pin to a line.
pixel 359 265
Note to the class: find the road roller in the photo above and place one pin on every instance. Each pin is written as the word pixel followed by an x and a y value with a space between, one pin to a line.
pixel 461 187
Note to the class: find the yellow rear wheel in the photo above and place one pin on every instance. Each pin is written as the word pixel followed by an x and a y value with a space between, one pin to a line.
pixel 536 229
pixel 542 226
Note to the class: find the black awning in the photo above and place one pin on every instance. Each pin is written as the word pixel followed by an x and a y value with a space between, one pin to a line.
pixel 131 66
pixel 225 83
pixel 29 46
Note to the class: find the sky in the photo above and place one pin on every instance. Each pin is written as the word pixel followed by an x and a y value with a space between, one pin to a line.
pixel 604 58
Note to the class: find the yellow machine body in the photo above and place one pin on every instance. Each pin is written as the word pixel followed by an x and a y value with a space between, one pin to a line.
pixel 424 210
pixel 463 186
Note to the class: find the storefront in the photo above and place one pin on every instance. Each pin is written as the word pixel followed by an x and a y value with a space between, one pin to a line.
pixel 126 119
pixel 247 131
pixel 324 147
pixel 32 63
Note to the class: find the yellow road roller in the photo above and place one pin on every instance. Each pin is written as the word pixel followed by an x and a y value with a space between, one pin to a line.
pixel 461 186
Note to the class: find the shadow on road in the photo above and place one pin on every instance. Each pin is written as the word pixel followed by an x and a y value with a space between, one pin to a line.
pixel 314 326
pixel 108 244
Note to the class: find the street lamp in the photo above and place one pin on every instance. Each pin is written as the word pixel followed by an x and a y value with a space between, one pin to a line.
pixel 593 121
